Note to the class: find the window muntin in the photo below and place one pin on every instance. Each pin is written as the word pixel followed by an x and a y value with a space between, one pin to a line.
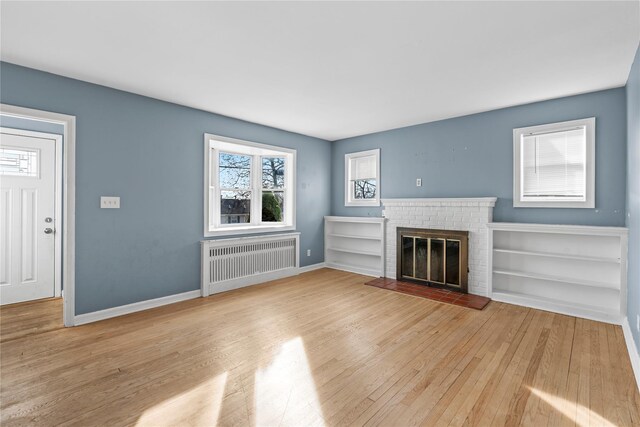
pixel 554 165
pixel 253 183
pixel 362 171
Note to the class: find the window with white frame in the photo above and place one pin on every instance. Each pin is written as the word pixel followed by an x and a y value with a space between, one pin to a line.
pixel 554 165
pixel 249 187
pixel 362 178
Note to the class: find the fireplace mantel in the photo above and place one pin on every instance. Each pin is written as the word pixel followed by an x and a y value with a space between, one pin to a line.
pixel 448 201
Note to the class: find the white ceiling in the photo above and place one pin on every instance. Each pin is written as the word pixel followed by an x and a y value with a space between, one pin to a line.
pixel 327 69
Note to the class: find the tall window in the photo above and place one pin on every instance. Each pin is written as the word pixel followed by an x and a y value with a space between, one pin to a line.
pixel 554 165
pixel 250 187
pixel 362 178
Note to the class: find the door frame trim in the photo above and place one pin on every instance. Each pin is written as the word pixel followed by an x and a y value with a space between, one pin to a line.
pixel 57 188
pixel 68 240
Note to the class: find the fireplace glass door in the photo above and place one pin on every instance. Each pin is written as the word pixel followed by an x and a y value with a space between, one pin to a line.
pixel 436 261
pixel 407 256
pixel 452 262
pixel 431 259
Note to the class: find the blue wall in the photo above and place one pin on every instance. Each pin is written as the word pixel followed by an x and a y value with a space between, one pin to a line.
pixel 149 153
pixel 472 156
pixel 633 195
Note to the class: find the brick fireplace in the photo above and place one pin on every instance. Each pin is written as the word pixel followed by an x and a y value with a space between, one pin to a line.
pixel 468 214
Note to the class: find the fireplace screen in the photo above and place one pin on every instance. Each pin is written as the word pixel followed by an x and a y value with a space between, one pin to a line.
pixel 437 257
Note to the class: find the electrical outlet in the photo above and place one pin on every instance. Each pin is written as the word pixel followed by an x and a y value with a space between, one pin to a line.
pixel 419 182
pixel 638 322
pixel 308 252
pixel 109 202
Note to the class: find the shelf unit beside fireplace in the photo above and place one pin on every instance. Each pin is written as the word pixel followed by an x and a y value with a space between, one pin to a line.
pixel 574 270
pixel 355 244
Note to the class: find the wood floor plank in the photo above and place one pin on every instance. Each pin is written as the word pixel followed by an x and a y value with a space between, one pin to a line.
pixel 552 376
pixel 317 349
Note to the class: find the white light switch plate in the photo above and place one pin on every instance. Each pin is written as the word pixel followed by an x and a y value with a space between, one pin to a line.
pixel 109 202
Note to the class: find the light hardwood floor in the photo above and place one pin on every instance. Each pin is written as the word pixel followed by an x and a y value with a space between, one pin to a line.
pixel 317 349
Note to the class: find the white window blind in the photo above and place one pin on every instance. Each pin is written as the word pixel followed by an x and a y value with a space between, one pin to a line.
pixel 363 167
pixel 554 165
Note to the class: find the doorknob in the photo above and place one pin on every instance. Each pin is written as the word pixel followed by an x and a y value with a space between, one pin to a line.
pixel 48 230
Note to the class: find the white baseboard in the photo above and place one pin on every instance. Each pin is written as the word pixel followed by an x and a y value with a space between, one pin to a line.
pixel 351 269
pixel 633 350
pixel 556 307
pixel 312 267
pixel 108 313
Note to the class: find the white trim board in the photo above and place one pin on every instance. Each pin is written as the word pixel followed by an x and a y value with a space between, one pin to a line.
pixel 68 197
pixel 311 267
pixel 632 350
pixel 351 269
pixel 446 201
pixel 108 313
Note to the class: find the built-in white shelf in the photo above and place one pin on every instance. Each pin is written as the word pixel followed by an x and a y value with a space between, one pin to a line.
pixel 356 251
pixel 348 236
pixel 355 244
pixel 574 270
pixel 552 278
pixel 553 255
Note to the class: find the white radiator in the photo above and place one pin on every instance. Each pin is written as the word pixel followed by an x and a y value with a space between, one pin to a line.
pixel 234 263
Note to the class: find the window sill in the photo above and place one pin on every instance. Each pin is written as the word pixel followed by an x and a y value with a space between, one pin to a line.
pixel 256 229
pixel 370 203
pixel 551 205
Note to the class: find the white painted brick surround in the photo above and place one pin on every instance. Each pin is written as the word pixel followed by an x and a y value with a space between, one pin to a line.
pixel 468 214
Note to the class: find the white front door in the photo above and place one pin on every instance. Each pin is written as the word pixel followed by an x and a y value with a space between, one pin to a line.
pixel 27 223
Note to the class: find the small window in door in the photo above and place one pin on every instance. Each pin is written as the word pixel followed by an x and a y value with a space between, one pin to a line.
pixel 18 162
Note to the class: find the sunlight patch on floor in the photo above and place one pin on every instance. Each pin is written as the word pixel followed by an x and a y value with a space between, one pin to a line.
pixel 582 415
pixel 199 406
pixel 285 392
